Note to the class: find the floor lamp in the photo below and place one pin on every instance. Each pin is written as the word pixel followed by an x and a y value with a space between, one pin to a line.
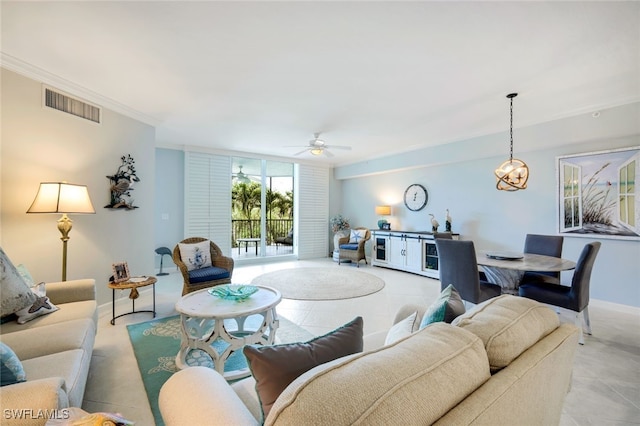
pixel 65 198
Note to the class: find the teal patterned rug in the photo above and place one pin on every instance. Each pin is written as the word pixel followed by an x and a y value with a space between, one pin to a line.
pixel 156 344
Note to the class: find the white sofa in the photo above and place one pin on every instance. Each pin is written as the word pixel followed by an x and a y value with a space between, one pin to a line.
pixel 55 351
pixel 507 361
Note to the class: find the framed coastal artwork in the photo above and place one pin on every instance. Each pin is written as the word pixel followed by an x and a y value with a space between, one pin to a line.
pixel 598 195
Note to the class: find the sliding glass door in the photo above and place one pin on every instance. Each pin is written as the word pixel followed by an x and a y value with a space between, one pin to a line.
pixel 261 208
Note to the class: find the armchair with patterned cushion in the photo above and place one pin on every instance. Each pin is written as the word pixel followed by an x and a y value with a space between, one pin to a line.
pixel 351 247
pixel 202 264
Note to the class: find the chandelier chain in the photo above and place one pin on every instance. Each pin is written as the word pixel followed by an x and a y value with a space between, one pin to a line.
pixel 511 130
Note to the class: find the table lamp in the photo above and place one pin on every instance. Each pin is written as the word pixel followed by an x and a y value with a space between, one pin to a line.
pixel 62 197
pixel 383 211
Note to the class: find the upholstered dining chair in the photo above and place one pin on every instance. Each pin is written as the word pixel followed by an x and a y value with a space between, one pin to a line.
pixel 197 278
pixel 353 249
pixel 548 245
pixel 444 235
pixel 574 297
pixel 458 266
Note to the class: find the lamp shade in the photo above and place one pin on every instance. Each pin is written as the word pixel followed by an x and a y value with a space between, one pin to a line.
pixel 383 210
pixel 61 197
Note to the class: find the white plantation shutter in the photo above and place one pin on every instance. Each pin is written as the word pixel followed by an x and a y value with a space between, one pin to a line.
pixel 208 198
pixel 313 212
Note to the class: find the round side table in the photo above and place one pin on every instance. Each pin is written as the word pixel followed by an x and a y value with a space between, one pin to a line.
pixel 133 295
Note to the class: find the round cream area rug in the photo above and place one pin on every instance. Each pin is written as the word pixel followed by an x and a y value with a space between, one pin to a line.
pixel 320 283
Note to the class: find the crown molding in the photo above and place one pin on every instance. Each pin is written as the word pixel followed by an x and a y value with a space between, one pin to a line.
pixel 16 65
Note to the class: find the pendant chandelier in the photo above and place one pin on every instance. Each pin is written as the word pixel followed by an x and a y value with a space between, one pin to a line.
pixel 512 175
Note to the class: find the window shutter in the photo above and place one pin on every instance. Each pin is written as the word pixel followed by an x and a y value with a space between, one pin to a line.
pixel 313 212
pixel 208 198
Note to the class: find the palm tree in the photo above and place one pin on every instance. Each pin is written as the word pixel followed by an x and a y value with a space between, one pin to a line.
pixel 284 203
pixel 245 198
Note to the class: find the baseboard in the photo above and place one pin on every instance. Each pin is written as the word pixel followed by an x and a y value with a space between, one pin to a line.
pixel 618 307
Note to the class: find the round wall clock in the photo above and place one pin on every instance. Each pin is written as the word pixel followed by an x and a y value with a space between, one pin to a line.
pixel 416 197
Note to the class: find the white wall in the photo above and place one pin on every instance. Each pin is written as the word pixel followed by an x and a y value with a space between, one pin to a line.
pixel 40 144
pixel 496 219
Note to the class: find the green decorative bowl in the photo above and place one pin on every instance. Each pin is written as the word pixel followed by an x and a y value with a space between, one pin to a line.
pixel 233 291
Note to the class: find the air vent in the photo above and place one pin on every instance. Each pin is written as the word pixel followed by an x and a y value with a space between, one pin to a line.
pixel 62 102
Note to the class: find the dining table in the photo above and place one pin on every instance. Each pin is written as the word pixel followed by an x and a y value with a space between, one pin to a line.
pixel 507 268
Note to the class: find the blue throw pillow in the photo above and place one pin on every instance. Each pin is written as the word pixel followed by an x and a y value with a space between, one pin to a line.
pixel 11 370
pixel 208 274
pixel 349 246
pixel 445 309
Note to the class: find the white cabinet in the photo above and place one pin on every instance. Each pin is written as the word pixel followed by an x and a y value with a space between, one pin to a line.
pixel 406 251
pixel 380 247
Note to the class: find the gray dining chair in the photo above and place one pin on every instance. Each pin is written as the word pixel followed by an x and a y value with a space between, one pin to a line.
pixel 458 266
pixel 444 235
pixel 548 245
pixel 575 297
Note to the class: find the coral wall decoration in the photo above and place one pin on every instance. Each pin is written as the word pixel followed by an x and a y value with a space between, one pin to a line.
pixel 121 185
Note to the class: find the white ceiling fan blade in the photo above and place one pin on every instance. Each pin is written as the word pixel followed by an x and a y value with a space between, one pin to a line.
pixel 348 148
pixel 327 153
pixel 302 152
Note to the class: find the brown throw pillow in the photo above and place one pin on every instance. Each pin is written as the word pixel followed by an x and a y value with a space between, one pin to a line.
pixel 275 367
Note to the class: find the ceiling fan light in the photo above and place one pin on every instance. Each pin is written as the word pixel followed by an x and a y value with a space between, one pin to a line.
pixel 241 177
pixel 317 151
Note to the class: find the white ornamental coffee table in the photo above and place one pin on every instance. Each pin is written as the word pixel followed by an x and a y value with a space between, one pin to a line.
pixel 206 318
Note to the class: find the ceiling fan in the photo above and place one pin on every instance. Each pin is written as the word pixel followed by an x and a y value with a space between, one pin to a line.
pixel 241 177
pixel 319 147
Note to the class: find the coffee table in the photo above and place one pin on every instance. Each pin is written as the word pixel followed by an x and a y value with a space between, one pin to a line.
pixel 205 318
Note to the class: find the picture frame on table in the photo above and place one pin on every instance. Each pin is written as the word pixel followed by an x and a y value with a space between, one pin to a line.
pixel 598 194
pixel 120 272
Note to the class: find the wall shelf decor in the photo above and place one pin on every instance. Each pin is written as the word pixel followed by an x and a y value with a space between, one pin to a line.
pixel 121 185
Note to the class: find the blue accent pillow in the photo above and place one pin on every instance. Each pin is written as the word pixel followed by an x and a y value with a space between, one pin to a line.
pixel 445 309
pixel 349 246
pixel 207 274
pixel 11 370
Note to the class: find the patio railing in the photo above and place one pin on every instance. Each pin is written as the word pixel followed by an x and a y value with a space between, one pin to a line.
pixel 250 228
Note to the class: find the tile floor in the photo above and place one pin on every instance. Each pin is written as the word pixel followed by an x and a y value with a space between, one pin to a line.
pixel 606 376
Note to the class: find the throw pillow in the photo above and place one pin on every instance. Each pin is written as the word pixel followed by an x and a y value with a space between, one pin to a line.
pixel 197 255
pixel 24 273
pixel 357 235
pixel 41 306
pixel 401 329
pixel 11 370
pixel 275 367
pixel 446 308
pixel 15 293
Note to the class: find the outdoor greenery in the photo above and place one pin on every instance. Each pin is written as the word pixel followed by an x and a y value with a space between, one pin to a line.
pixel 245 210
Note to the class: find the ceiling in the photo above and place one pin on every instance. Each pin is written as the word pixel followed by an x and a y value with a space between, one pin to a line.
pixel 380 77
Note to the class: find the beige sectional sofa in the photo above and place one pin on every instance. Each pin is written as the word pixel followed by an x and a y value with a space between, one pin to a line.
pixel 507 361
pixel 55 351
